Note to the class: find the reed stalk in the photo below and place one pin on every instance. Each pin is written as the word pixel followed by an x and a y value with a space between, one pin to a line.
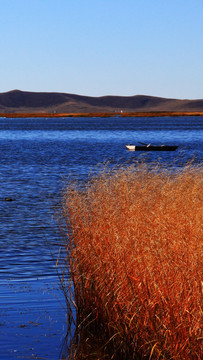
pixel 134 255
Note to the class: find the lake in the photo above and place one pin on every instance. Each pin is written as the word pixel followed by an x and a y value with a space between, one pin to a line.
pixel 37 159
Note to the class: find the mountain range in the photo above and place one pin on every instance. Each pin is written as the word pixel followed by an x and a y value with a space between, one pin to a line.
pixel 17 101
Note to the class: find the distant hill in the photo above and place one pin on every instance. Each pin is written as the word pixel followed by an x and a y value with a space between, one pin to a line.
pixel 17 101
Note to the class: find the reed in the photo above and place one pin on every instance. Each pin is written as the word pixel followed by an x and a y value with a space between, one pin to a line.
pixel 133 251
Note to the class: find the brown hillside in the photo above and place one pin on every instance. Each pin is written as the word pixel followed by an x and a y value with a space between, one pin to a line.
pixel 17 101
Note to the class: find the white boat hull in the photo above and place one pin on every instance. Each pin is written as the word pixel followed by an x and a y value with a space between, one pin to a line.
pixel 130 147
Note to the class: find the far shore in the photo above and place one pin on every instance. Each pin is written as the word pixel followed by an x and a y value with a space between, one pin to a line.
pixel 103 114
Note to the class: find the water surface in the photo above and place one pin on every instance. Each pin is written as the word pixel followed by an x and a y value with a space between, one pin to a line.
pixel 37 157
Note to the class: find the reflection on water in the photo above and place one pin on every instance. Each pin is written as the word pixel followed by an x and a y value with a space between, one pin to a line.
pixel 37 156
pixel 32 320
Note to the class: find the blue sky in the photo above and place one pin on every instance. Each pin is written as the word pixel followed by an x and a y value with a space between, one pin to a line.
pixel 103 47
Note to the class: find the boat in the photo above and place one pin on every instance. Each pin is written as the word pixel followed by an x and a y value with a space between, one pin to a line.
pixel 150 147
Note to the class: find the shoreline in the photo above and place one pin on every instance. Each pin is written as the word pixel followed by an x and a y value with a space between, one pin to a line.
pixel 103 114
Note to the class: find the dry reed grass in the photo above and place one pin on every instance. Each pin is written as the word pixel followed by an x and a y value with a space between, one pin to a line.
pixel 134 247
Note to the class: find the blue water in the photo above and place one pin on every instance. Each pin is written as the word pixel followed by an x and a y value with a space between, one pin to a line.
pixel 37 158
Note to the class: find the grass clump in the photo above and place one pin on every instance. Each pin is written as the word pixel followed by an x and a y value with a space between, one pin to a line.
pixel 134 246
